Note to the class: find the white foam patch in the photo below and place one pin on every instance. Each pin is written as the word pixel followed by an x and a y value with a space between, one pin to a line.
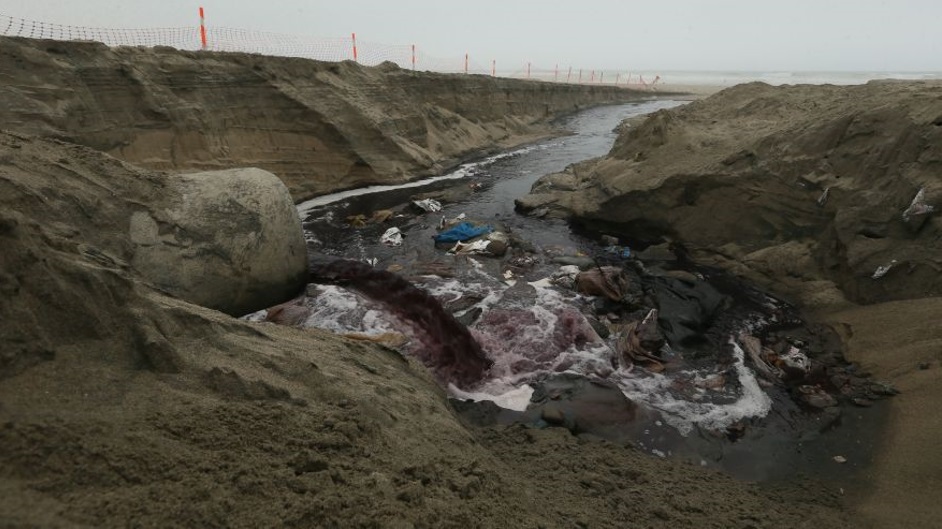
pixel 341 311
pixel 305 208
pixel 684 414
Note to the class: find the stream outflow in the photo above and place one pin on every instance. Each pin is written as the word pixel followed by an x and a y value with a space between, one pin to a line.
pixel 554 354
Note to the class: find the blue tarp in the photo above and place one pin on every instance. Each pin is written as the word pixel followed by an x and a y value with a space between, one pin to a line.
pixel 462 232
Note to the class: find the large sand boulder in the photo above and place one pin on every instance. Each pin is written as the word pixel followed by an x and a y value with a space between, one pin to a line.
pixel 229 240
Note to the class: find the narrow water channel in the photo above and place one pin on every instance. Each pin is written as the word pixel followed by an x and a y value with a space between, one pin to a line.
pixel 708 406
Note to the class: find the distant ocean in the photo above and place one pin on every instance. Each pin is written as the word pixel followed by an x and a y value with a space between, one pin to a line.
pixel 720 78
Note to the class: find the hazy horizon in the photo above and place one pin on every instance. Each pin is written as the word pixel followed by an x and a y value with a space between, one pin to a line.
pixel 672 36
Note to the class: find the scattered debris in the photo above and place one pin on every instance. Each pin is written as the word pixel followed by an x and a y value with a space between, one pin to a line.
pixel 499 243
pixel 795 359
pixel 356 221
pixel 753 348
pixel 523 261
pixel 823 199
pixel 918 206
pixel 381 216
pixel 429 205
pixel 622 251
pixel 392 237
pixel 641 341
pixel 582 262
pixel 479 247
pixel 839 459
pixel 882 270
pixel 462 232
pixel 816 397
pixel 607 281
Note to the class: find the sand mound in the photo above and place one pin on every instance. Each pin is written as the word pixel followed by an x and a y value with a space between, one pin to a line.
pixel 319 126
pixel 820 193
pixel 800 187
pixel 121 406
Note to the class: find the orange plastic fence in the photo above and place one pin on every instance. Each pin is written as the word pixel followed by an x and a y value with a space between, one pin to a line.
pixel 407 56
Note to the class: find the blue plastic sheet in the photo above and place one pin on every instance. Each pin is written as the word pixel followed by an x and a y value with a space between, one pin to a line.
pixel 462 232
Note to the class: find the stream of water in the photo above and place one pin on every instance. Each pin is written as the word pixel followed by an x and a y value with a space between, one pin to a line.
pixel 532 325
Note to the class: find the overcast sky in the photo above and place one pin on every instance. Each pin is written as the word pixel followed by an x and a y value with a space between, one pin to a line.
pixel 737 35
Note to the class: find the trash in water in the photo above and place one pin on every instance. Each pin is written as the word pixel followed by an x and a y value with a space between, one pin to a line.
pixel 623 252
pixel 607 281
pixel 566 276
pixel 796 359
pixel 429 205
pixel 918 206
pixel 525 261
pixel 392 237
pixel 357 221
pixel 371 261
pixel 839 459
pixel 499 243
pixel 823 199
pixel 444 223
pixel 641 342
pixel 475 248
pixel 882 270
pixel 816 397
pixel 462 232
pixel 381 216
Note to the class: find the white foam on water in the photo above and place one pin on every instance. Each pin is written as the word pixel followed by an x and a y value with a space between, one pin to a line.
pixel 341 311
pixel 305 208
pixel 685 413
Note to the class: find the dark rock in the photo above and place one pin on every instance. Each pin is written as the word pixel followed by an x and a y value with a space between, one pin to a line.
pixel 685 310
pixel 585 406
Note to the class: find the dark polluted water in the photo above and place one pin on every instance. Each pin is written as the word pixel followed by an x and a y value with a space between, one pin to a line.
pixel 680 381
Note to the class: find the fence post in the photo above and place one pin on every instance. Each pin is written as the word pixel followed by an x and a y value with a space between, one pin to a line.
pixel 466 63
pixel 493 67
pixel 580 75
pixel 569 75
pixel 602 77
pixel 592 79
pixel 413 57
pixel 202 29
pixel 354 37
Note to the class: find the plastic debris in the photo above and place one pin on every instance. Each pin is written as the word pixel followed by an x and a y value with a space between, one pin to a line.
pixel 839 459
pixel 607 281
pixel 565 276
pixel 918 206
pixel 392 237
pixel 381 216
pixel 371 261
pixel 473 248
pixel 882 270
pixel 823 199
pixel 623 252
pixel 796 360
pixel 462 232
pixel 357 221
pixel 642 341
pixel 429 205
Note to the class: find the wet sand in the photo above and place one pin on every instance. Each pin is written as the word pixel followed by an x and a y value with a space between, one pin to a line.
pixel 902 342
